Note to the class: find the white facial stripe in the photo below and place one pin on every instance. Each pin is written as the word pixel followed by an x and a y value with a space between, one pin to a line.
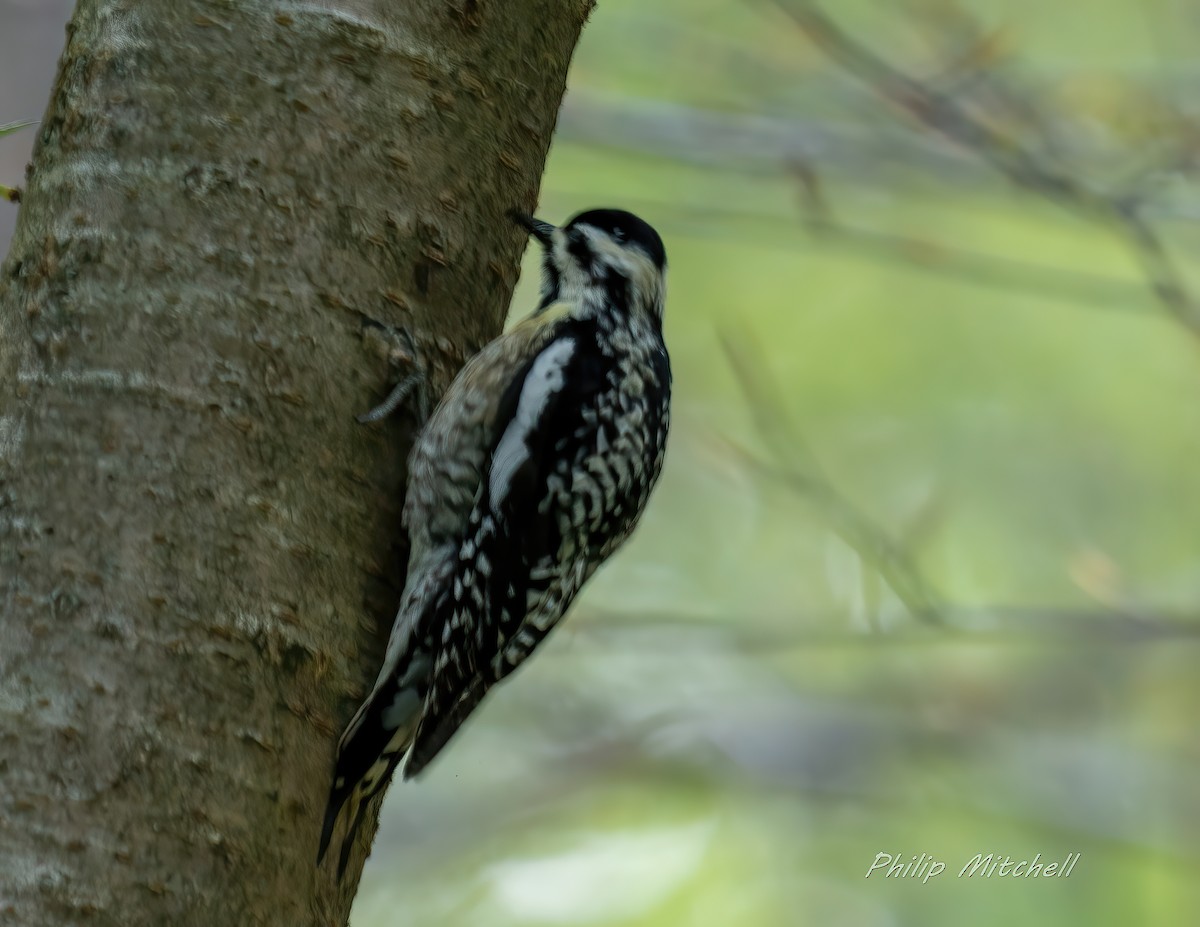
pixel 608 250
pixel 630 261
pixel 546 377
pixel 575 282
pixel 572 279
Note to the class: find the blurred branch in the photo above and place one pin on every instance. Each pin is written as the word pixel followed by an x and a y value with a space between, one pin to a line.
pixel 751 142
pixel 796 468
pixel 944 114
pixel 864 152
pixel 1094 291
pixel 998 625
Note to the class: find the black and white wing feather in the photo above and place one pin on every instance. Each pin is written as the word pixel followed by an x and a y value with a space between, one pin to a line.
pixel 561 494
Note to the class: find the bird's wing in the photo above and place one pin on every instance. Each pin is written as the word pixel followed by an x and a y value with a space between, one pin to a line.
pixel 447 467
pixel 450 457
pixel 509 558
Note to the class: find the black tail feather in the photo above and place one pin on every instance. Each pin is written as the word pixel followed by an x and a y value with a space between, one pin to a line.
pixel 337 798
pixel 348 840
pixel 368 754
pixel 359 797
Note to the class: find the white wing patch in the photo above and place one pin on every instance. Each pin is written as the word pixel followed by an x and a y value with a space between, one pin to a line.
pixel 545 378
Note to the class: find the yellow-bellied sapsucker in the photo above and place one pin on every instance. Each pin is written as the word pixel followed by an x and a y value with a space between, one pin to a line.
pixel 534 467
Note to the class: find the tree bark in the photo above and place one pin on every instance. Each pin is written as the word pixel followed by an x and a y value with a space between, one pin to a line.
pixel 199 556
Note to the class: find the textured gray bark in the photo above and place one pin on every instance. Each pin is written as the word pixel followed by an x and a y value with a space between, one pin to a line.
pixel 198 556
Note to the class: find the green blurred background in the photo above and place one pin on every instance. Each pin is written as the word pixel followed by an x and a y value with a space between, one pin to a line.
pixel 922 573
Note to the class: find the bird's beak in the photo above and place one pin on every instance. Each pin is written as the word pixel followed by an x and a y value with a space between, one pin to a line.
pixel 540 230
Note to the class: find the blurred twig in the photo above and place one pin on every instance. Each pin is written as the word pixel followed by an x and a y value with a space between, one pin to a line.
pixel 12 194
pixel 10 127
pixel 795 467
pixel 944 114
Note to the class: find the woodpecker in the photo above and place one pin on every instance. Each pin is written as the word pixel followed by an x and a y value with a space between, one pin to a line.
pixel 532 470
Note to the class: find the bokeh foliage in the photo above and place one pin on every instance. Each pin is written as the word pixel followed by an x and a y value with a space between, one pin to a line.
pixel 741 713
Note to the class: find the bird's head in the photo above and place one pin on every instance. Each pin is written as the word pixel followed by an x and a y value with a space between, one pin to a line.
pixel 602 256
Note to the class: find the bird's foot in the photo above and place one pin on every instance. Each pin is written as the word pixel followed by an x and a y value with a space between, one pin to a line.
pixel 402 355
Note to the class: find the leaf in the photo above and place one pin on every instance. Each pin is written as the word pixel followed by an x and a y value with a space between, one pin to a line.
pixel 14 127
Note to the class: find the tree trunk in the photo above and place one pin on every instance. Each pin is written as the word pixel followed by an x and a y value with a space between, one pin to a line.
pixel 199 546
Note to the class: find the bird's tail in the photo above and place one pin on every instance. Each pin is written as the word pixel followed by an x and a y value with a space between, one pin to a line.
pixel 333 810
pixel 358 799
pixel 381 731
pixel 368 754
